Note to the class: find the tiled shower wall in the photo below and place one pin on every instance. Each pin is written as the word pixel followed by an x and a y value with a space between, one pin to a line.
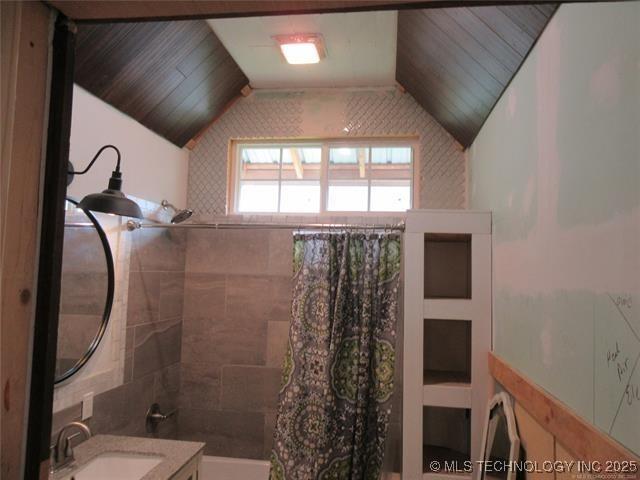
pixel 330 113
pixel 237 310
pixel 153 340
pixel 207 328
pixel 237 301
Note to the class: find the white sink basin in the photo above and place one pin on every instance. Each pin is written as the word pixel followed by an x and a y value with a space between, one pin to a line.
pixel 109 466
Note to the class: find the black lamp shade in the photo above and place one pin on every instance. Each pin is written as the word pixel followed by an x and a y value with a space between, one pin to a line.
pixel 111 201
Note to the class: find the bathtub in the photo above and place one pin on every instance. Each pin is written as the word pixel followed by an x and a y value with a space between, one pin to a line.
pixel 223 468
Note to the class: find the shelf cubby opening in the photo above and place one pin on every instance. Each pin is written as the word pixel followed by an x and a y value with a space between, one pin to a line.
pixel 447 266
pixel 446 436
pixel 447 352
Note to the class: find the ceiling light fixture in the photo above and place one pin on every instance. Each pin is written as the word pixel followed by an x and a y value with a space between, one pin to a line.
pixel 301 48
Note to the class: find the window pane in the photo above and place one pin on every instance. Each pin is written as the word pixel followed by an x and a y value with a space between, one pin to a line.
pixel 391 163
pixel 348 184
pixel 258 196
pixel 286 178
pixel 259 163
pixel 348 196
pixel 297 193
pixel 391 173
pixel 390 196
pixel 300 197
pixel 301 163
pixel 393 155
pixel 347 163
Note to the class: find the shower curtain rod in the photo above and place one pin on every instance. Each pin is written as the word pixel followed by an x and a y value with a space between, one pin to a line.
pixel 134 225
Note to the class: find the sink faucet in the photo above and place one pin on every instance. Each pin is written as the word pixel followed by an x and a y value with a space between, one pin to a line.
pixel 62 451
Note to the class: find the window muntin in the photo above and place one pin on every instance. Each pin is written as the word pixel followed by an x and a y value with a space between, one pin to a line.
pixel 317 178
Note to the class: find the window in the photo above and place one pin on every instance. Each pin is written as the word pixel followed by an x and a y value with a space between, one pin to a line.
pixel 323 177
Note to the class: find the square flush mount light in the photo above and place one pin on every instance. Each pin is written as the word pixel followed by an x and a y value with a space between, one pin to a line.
pixel 301 49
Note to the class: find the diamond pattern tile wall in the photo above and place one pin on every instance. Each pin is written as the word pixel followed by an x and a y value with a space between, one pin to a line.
pixel 328 114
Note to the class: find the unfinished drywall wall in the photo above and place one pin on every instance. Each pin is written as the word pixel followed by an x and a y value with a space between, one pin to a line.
pixel 152 167
pixel 328 113
pixel 558 162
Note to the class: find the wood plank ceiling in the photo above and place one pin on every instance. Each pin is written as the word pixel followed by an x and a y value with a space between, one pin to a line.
pixel 173 77
pixel 456 62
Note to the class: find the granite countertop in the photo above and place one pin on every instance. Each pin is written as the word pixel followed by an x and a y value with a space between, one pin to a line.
pixel 176 454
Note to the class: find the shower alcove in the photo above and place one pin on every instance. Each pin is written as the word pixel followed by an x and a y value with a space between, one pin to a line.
pixel 447 335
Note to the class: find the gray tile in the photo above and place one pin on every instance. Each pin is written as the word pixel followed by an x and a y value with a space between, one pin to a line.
pixel 204 295
pixel 158 250
pixel 157 345
pixel 249 388
pixel 225 321
pixel 277 340
pixel 139 395
pixel 199 386
pixel 109 411
pixel 206 251
pixel 280 294
pixel 84 292
pixel 143 299
pixel 228 434
pixel 62 417
pixel 75 334
pixel 83 251
pixel 171 296
pixel 248 252
pixel 269 429
pixel 128 354
pixel 249 297
pixel 166 387
pixel 280 252
pixel 228 251
pixel 224 340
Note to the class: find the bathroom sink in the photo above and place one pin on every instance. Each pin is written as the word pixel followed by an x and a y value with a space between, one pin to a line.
pixel 111 465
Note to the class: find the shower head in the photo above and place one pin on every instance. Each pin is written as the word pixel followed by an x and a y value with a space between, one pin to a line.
pixel 180 215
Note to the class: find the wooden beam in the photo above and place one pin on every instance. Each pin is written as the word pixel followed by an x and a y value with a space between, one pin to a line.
pixel 24 78
pixel 582 439
pixel 297 163
pixel 148 10
pixel 362 163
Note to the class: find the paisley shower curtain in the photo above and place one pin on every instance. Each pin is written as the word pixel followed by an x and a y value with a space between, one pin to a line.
pixel 337 383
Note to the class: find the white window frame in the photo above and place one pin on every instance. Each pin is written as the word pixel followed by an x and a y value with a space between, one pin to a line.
pixel 233 171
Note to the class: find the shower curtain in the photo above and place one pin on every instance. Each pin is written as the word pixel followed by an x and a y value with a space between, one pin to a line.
pixel 337 383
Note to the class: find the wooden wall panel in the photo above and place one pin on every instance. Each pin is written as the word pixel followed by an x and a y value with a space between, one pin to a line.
pixel 581 439
pixel 563 455
pixel 457 62
pixel 25 47
pixel 173 77
pixel 536 442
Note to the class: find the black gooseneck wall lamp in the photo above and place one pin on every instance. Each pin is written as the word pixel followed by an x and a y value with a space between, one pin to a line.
pixel 111 200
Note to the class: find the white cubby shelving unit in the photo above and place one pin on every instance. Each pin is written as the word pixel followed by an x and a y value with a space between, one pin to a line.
pixel 447 336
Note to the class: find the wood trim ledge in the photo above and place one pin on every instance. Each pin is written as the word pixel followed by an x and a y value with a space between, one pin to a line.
pixel 582 439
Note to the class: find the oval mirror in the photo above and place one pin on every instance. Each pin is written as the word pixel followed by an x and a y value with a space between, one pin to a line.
pixel 86 293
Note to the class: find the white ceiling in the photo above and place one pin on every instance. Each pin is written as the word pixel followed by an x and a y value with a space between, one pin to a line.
pixel 361 49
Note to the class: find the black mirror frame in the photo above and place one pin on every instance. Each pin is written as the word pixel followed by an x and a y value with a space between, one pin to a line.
pixel 108 301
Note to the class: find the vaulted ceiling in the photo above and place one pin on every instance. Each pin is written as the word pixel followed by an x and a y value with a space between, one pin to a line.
pixel 361 49
pixel 456 62
pixel 175 77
